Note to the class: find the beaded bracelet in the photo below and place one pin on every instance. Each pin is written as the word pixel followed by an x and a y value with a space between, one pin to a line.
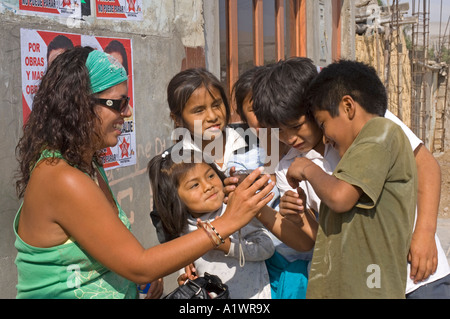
pixel 213 234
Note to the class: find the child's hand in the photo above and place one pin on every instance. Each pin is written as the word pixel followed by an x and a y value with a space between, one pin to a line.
pixel 290 203
pixel 296 172
pixel 230 184
pixel 422 255
pixel 293 205
pixel 189 274
pixel 156 289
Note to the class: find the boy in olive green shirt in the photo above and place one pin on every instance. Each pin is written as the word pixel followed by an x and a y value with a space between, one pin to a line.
pixel 367 212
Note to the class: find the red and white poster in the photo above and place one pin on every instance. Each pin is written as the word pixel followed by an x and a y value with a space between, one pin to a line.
pixel 38 48
pixel 67 8
pixel 119 9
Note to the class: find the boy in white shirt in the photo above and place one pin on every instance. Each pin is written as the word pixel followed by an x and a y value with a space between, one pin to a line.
pixel 273 104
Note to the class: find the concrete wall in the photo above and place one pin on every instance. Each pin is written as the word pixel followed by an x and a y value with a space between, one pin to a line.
pixel 162 43
pixel 319 31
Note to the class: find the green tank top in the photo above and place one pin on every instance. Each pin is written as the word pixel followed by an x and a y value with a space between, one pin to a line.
pixel 67 271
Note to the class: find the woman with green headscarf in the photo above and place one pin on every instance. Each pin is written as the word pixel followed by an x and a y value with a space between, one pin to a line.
pixel 72 237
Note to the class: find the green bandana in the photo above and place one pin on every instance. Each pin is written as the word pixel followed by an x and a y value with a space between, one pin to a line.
pixel 104 71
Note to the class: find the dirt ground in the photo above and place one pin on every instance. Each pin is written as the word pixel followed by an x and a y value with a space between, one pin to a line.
pixel 444 161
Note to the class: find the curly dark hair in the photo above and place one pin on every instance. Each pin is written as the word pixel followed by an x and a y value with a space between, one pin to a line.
pixel 62 117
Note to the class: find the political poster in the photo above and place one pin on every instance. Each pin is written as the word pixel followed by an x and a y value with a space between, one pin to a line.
pixel 63 8
pixel 39 48
pixel 119 9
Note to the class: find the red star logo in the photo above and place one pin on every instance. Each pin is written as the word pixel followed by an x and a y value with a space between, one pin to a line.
pixel 131 5
pixel 124 146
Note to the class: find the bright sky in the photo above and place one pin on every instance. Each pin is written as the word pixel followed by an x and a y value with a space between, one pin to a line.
pixel 434 9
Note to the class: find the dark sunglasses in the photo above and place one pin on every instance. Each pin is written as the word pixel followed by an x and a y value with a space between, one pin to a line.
pixel 119 105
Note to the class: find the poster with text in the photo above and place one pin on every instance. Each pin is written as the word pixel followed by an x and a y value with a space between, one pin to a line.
pixel 119 9
pixel 38 50
pixel 64 8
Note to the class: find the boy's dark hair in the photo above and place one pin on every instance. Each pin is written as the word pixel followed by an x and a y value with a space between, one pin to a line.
pixel 346 77
pixel 278 91
pixel 165 173
pixel 242 87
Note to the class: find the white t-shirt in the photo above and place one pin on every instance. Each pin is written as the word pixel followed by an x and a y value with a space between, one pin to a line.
pixel 328 164
pixel 443 268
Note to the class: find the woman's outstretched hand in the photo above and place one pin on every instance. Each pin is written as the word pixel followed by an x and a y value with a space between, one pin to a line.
pixel 253 193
